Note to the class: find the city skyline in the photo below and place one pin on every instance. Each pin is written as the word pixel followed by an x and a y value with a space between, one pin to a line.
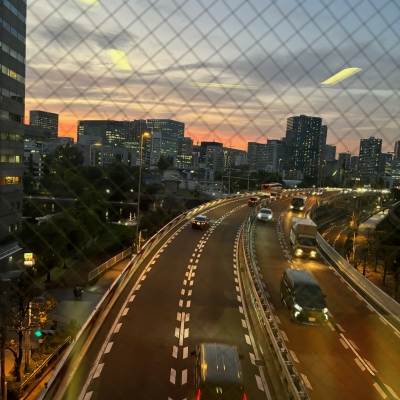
pixel 233 82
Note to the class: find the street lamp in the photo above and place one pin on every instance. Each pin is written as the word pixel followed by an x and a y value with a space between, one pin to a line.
pixel 147 134
pixel 323 175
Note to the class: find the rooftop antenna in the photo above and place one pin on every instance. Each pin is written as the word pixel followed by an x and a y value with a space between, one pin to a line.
pixel 107 116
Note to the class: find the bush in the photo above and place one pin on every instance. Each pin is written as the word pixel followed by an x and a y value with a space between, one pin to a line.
pixel 13 390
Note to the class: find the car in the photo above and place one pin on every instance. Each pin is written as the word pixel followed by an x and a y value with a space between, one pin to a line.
pixel 303 297
pixel 265 214
pixel 200 222
pixel 253 201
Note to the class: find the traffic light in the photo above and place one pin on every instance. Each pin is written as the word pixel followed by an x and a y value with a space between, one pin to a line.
pixel 41 333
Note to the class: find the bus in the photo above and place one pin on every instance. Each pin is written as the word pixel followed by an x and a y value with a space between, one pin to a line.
pixel 272 190
pixel 298 203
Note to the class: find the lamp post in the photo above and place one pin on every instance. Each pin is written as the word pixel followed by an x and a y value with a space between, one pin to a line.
pixel 140 182
pixel 323 175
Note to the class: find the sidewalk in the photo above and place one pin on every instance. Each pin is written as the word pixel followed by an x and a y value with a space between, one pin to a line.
pixel 373 221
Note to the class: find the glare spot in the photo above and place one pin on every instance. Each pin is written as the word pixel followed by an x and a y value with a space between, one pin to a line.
pixel 88 2
pixel 225 85
pixel 119 59
pixel 340 76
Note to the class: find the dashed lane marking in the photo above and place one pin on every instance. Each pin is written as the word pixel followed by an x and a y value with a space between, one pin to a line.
pixel 241 309
pixel 132 298
pixel 353 344
pixel 175 351
pixel 108 348
pixel 360 365
pixel 343 343
pixel 172 376
pixel 185 352
pixel 88 396
pixel 392 392
pixel 117 328
pixel 283 333
pixel 244 324
pixel 383 320
pixel 98 370
pixel 306 381
pixel 248 341
pixel 293 355
pixel 239 298
pixel 340 328
pixel 371 366
pixel 125 312
pixel 380 391
pixel 277 319
pixel 259 383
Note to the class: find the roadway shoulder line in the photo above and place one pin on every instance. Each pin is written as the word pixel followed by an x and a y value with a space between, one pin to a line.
pixel 380 391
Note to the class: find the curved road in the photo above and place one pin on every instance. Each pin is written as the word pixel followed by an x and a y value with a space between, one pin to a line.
pixel 187 294
pixel 356 355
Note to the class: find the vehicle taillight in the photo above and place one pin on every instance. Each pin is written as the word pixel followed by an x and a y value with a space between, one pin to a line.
pixel 198 395
pixel 244 396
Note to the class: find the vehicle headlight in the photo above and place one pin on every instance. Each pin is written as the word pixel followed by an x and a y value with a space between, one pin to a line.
pixel 291 206
pixel 325 310
pixel 299 251
pixel 297 307
pixel 313 253
pixel 269 216
pixel 259 215
pixel 296 314
pixel 301 208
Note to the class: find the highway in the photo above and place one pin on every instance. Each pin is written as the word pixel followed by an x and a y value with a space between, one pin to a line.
pixel 357 354
pixel 187 294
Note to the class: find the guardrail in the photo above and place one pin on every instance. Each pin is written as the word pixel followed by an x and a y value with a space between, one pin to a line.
pixel 108 264
pixel 393 218
pixel 384 301
pixel 290 378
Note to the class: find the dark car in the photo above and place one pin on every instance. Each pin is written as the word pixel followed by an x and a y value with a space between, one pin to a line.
pixel 303 297
pixel 200 222
pixel 218 373
pixel 253 201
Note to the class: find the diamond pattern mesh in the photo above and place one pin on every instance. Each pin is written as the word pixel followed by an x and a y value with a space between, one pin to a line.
pixel 270 57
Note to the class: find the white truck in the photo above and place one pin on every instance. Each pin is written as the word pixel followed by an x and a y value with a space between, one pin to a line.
pixel 303 236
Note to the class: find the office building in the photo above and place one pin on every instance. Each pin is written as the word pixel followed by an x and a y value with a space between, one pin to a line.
pixel 162 145
pixel 354 163
pixel 385 164
pixel 304 143
pixel 47 121
pixel 329 152
pixel 257 156
pixel 368 163
pixel 174 129
pixel 12 90
pixel 396 154
pixel 275 153
pixel 112 133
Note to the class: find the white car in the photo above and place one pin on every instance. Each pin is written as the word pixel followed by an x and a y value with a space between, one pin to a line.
pixel 265 214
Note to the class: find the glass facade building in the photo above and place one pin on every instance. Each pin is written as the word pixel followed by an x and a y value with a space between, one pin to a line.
pixel 12 113
pixel 368 162
pixel 47 121
pixel 174 129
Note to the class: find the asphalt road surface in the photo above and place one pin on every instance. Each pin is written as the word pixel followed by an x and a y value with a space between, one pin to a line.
pixel 357 354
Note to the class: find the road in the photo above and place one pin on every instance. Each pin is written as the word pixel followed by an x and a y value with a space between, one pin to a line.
pixel 356 355
pixel 189 293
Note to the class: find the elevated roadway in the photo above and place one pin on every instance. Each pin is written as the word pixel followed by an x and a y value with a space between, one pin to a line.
pixel 357 354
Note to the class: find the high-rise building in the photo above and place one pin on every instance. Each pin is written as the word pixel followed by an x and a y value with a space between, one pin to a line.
pixel 275 152
pixel 304 142
pixel 329 152
pixel 396 155
pixel 368 163
pixel 113 133
pixel 12 89
pixel 174 129
pixel 345 161
pixel 257 156
pixel 162 145
pixel 47 121
pixel 354 163
pixel 385 164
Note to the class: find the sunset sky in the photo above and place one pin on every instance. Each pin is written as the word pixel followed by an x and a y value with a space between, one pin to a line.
pixel 233 71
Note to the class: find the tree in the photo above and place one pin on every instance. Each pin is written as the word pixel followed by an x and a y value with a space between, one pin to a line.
pixel 23 300
pixel 91 221
pixel 164 163
pixel 68 156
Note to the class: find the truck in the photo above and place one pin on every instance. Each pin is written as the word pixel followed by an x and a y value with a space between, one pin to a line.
pixel 303 237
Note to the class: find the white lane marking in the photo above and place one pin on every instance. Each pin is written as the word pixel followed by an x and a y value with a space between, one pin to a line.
pixel 331 326
pixel 183 292
pixel 241 309
pixel 359 297
pixel 189 293
pixel 380 391
pixel 244 323
pixel 383 320
pixel 191 260
pixel 178 316
pixel 153 262
pixel 237 289
pixel 277 319
pixel 236 281
pixel 370 365
pixel 248 341
pixel 172 376
pixel 157 256
pixel 239 298
pixel 88 396
pixel 306 381
pixel 350 288
pixel 259 383
pixel 283 333
pixel 180 303
pixel 177 331
pixel 293 354
pixel 132 298
pixel 353 344
pixel 185 352
pixel 186 334
pixel 184 376
pixel 188 304
pixel 252 358
pixel 175 351
pixel 343 343
pixel 392 392
pixel 272 306
pixel 187 316
pixel 108 348
pixel 370 308
pixel 117 328
pixel 235 272
pixel 125 311
pixel 191 283
pixel 340 328
pixel 358 362
pixel 397 334
pixel 181 331
pixel 98 371
pixel 185 282
pixel 138 287
pixel 367 367
pixel 148 269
